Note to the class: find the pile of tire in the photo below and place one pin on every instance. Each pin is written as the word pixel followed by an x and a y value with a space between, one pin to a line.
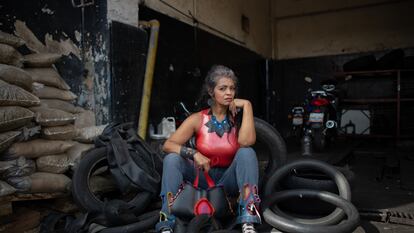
pixel 95 190
pixel 345 218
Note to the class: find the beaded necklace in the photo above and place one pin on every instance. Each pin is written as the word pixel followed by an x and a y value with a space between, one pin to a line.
pixel 219 128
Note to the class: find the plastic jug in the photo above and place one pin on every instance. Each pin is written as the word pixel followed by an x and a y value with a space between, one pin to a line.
pixel 167 126
pixel 164 129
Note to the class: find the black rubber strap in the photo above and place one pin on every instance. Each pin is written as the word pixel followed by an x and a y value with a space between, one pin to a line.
pixel 187 152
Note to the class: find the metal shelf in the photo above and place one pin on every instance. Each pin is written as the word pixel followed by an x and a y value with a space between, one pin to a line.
pixel 371 73
pixel 373 101
pixel 395 73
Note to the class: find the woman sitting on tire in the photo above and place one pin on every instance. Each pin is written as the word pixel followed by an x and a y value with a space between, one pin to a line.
pixel 223 150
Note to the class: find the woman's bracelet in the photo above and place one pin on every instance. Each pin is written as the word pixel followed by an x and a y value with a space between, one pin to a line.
pixel 187 152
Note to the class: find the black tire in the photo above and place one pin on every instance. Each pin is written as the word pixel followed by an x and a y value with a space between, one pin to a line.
pixel 82 193
pixel 270 148
pixel 226 231
pixel 319 139
pixel 203 224
pixel 343 186
pixel 289 225
pixel 147 221
pixel 313 181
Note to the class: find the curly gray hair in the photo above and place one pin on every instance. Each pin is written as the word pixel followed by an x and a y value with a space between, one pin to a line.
pixel 214 74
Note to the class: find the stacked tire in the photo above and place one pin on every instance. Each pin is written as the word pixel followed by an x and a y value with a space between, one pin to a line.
pixel 333 222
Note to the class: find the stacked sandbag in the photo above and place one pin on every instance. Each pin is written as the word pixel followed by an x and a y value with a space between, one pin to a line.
pixel 33 92
pixel 55 115
pixel 15 100
pixel 8 50
pixel 56 110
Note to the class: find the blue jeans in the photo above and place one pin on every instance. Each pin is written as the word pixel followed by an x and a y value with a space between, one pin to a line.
pixel 243 170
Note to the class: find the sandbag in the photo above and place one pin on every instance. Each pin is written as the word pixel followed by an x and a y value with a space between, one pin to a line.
pixel 48 76
pixel 11 95
pixel 16 76
pixel 76 153
pixel 16 168
pixel 61 105
pixel 43 182
pixel 21 184
pixel 12 40
pixel 66 132
pixel 85 119
pixel 10 56
pixel 46 92
pixel 41 59
pixel 38 147
pixel 88 134
pixel 6 189
pixel 53 163
pixel 52 117
pixel 13 117
pixel 7 139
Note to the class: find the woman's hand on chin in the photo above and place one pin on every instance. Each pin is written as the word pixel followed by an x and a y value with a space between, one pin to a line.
pixel 237 103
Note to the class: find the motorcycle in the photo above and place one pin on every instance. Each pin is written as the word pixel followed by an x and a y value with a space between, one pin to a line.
pixel 319 118
pixel 297 117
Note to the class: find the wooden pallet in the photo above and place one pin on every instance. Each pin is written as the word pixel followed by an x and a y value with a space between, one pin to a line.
pixel 6 207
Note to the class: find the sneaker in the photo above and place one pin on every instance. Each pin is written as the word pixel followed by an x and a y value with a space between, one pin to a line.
pixel 248 228
pixel 166 230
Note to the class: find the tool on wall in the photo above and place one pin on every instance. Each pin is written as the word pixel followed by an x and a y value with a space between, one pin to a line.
pixel 82 4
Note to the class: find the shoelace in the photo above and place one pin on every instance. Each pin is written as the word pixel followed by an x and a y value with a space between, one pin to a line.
pixel 248 228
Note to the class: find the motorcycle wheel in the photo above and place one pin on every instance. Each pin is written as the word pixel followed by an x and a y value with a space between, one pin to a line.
pixel 297 133
pixel 319 140
pixel 94 162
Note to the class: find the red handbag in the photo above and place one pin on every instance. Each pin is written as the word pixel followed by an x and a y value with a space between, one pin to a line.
pixel 191 200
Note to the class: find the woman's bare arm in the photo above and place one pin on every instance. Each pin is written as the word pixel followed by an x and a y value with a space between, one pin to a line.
pixel 182 135
pixel 247 131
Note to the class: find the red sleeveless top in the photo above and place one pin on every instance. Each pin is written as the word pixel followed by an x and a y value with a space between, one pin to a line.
pixel 220 150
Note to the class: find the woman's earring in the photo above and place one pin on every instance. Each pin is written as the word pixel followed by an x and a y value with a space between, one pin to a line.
pixel 210 102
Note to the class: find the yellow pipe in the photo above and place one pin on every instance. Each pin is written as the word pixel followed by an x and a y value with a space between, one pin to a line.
pixel 149 76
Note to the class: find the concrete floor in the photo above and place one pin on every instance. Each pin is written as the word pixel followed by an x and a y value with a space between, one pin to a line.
pixel 384 180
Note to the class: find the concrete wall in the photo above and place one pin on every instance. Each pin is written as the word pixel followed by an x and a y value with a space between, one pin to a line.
pixel 223 18
pixel 124 11
pixel 306 28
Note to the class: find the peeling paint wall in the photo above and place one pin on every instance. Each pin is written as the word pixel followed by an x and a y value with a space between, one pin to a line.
pixel 316 28
pixel 223 19
pixel 56 26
